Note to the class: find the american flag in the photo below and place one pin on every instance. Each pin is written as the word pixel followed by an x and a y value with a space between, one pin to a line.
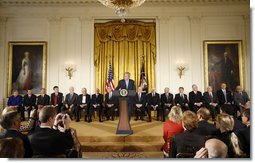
pixel 143 81
pixel 110 81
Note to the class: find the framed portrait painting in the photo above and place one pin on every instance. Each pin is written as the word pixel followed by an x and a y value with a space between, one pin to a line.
pixel 27 66
pixel 223 63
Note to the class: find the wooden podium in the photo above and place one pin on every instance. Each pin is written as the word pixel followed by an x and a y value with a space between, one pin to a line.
pixel 124 102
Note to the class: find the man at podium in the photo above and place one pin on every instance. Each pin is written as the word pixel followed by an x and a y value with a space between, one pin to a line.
pixel 127 84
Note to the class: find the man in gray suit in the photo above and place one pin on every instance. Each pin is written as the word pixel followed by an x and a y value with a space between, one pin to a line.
pixel 240 98
pixel 70 102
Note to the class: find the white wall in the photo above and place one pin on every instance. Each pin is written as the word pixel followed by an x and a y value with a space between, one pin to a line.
pixel 69 32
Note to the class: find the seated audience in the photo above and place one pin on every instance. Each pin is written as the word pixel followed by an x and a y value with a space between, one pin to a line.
pixel 83 102
pixel 166 102
pixel 195 99
pixel 43 99
pixel 15 101
pixel 29 102
pixel 224 95
pixel 97 103
pixel 11 123
pixel 181 99
pixel 214 148
pixel 139 104
pixel 240 99
pixel 11 148
pixel 188 141
pixel 110 104
pixel 172 127
pixel 47 142
pixel 153 103
pixel 225 123
pixel 70 103
pixel 56 99
pixel 204 127
pixel 211 102
pixel 228 109
pixel 244 134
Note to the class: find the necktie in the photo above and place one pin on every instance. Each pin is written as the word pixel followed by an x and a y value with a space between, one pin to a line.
pixel 139 96
pixel 167 96
pixel 71 96
pixel 211 97
pixel 182 96
pixel 110 95
pixel 225 95
pixel 96 95
pixel 126 84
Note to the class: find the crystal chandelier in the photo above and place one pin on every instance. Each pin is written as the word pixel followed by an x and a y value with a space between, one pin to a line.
pixel 121 6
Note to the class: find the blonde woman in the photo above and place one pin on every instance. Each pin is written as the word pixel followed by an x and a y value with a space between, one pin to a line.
pixel 172 127
pixel 225 123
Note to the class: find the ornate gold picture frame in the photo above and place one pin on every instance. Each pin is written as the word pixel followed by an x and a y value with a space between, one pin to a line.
pixel 27 63
pixel 223 62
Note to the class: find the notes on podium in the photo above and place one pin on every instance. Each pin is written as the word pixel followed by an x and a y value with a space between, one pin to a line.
pixel 124 96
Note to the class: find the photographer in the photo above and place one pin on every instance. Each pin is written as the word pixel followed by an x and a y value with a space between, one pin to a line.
pixel 47 142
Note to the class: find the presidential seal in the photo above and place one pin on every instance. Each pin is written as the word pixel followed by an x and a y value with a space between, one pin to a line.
pixel 123 92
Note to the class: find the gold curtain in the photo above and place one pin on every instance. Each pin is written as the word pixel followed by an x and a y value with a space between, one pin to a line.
pixel 124 45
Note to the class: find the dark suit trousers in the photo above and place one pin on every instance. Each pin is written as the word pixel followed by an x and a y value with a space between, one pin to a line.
pixel 21 111
pixel 164 109
pixel 110 112
pixel 213 110
pixel 69 111
pixel 99 110
pixel 139 112
pixel 88 113
pixel 158 109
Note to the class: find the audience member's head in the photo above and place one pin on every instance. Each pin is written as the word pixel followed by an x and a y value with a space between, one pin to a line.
pixel 226 108
pixel 216 148
pixel 15 92
pixel 247 105
pixel 84 91
pixel 29 92
pixel 224 122
pixel 166 90
pixel 203 114
pixel 181 89
pixel 246 117
pixel 223 86
pixel 11 148
pixel 47 116
pixel 189 121
pixel 97 91
pixel 71 89
pixel 175 114
pixel 9 109
pixel 10 120
pixel 56 89
pixel 209 89
pixel 126 75
pixel 43 91
pixel 239 89
pixel 194 87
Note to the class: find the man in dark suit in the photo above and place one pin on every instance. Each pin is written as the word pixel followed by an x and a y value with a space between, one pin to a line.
pixel 29 102
pixel 240 99
pixel 84 103
pixel 153 103
pixel 110 104
pixel 43 99
pixel 70 102
pixel 10 121
pixel 127 84
pixel 204 127
pixel 211 102
pixel 97 103
pixel 195 99
pixel 47 142
pixel 139 104
pixel 15 101
pixel 224 95
pixel 166 103
pixel 181 99
pixel 56 99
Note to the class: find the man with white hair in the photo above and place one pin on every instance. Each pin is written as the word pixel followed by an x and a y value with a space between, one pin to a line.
pixel 70 102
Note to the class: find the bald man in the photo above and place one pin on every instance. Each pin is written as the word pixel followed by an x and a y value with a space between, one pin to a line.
pixel 70 102
pixel 214 148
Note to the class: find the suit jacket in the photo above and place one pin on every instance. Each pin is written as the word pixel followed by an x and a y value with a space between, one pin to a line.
pixel 97 99
pixel 13 101
pixel 48 142
pixel 60 99
pixel 45 100
pixel 207 99
pixel 179 100
pixel 153 100
pixel 29 101
pixel 187 142
pixel 112 100
pixel 17 134
pixel 141 101
pixel 221 97
pixel 238 125
pixel 195 98
pixel 238 98
pixel 122 85
pixel 170 128
pixel 244 138
pixel 79 100
pixel 69 101
pixel 164 100
pixel 206 129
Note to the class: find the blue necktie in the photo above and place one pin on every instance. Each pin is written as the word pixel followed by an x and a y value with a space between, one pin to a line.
pixel 126 84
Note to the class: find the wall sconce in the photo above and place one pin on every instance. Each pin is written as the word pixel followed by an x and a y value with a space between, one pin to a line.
pixel 70 69
pixel 181 67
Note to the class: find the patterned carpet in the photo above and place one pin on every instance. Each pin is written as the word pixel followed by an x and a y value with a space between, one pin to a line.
pixel 122 155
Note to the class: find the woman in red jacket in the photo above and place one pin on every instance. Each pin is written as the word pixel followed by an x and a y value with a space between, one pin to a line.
pixel 172 127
